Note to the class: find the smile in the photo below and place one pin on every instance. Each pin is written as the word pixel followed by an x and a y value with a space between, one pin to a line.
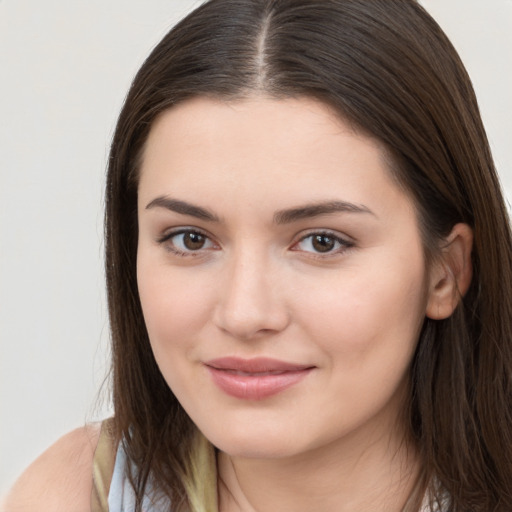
pixel 255 379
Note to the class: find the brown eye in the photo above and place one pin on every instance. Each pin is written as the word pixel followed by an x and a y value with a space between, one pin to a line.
pixel 186 242
pixel 193 241
pixel 323 243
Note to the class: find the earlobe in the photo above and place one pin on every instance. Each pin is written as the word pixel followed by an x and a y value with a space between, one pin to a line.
pixel 451 273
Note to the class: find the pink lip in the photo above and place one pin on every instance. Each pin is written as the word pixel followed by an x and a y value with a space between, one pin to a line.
pixel 255 379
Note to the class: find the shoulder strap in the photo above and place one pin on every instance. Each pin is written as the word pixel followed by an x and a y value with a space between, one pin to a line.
pixel 103 467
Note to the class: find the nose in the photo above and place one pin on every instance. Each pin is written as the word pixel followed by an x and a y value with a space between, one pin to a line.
pixel 251 302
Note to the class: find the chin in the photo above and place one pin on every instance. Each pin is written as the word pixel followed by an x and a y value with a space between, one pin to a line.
pixel 255 445
pixel 257 450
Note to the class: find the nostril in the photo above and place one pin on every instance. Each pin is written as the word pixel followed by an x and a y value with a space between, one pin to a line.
pixel 249 318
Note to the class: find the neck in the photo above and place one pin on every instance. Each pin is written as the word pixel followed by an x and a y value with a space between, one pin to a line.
pixel 340 477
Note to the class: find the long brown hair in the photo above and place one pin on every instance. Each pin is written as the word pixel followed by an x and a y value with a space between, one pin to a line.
pixel 387 68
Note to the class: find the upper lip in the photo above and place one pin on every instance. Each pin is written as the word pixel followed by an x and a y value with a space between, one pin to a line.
pixel 255 365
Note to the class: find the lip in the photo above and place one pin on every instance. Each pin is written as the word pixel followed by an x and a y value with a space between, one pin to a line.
pixel 255 379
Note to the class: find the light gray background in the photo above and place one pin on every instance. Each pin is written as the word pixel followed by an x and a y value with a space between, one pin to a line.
pixel 65 68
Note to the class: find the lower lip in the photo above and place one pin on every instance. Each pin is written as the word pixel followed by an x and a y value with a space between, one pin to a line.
pixel 255 387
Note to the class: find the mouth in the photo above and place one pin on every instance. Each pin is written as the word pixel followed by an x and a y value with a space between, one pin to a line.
pixel 255 379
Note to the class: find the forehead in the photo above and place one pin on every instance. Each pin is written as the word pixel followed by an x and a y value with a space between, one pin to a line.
pixel 290 149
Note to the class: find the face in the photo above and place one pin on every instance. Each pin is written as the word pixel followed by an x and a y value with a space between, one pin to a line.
pixel 281 274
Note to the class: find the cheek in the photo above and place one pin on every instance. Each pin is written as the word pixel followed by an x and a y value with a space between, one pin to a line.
pixel 365 313
pixel 367 331
pixel 175 308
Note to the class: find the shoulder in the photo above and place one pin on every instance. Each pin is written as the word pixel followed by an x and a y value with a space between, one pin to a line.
pixel 61 478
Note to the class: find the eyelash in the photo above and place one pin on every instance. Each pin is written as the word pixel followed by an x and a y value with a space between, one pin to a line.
pixel 171 247
pixel 343 244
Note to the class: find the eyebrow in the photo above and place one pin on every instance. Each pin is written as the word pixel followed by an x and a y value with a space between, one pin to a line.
pixel 317 209
pixel 280 217
pixel 183 207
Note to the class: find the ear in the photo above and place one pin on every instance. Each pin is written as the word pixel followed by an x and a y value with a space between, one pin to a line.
pixel 450 275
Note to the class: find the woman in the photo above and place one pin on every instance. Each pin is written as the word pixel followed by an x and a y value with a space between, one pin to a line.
pixel 308 267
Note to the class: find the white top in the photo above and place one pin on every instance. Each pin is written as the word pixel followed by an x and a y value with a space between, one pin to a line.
pixel 121 497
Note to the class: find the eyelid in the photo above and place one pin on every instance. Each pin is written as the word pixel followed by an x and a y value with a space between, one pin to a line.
pixel 178 231
pixel 171 233
pixel 345 242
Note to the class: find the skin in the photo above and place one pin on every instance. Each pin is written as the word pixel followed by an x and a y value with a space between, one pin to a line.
pixel 252 286
pixel 59 480
pixel 256 285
